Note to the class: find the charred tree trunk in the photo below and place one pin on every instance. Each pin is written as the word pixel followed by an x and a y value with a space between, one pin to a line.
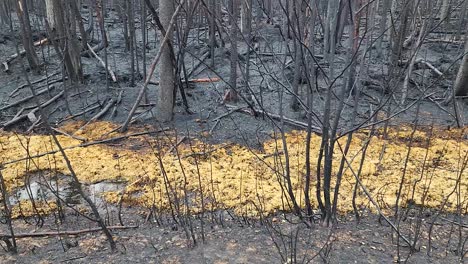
pixel 131 30
pixel 461 82
pixel 398 38
pixel 166 98
pixel 143 35
pixel 234 14
pixel 65 38
pixel 75 9
pixel 26 34
pixel 297 20
pixel 246 14
pixel 123 14
pixel 444 10
pixel 247 32
pixel 330 28
pixel 212 27
pixel 383 26
pixel 3 13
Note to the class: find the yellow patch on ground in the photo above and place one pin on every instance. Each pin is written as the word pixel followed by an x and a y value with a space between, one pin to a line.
pixel 232 176
pixel 27 209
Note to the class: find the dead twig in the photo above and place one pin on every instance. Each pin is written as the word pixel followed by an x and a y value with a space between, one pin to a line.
pixel 119 99
pixel 12 94
pixel 182 139
pixel 376 205
pixel 25 99
pixel 454 222
pixel 206 152
pixel 214 126
pixel 200 62
pixel 80 113
pixel 68 135
pixel 232 110
pixel 103 111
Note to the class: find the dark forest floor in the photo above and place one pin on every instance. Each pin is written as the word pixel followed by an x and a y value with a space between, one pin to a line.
pixel 234 240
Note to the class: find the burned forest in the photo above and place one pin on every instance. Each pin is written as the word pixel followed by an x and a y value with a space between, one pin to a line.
pixel 233 131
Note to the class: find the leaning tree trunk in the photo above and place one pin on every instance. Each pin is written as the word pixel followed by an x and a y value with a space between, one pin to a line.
pixel 166 98
pixel 461 83
pixel 23 16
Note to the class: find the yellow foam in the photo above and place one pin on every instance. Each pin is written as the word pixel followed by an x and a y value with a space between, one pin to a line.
pixel 235 177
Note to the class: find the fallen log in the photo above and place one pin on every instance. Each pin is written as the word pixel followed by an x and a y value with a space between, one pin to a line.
pixel 199 80
pixel 111 73
pixel 64 233
pixel 101 113
pixel 12 94
pixel 32 112
pixel 21 53
pixel 68 135
pixel 430 66
pixel 26 99
pixel 80 113
pixel 289 121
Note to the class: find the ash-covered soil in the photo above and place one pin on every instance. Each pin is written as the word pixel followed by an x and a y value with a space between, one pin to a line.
pixel 230 240
pixel 234 240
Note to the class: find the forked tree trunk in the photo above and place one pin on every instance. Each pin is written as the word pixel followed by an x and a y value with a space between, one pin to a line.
pixel 165 105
